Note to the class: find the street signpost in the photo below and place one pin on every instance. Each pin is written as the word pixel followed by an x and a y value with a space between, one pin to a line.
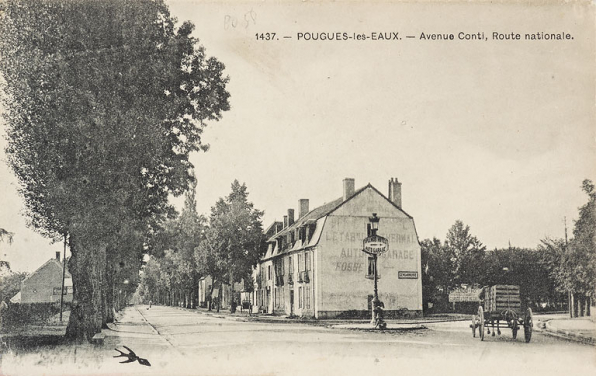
pixel 375 245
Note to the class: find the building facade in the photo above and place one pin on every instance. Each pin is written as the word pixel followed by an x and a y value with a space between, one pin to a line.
pixel 209 292
pixel 45 284
pixel 315 266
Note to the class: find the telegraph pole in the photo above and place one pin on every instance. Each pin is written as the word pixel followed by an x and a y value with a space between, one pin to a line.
pixel 63 276
pixel 569 294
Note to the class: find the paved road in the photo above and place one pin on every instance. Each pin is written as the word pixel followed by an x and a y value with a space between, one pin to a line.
pixel 218 345
pixel 184 342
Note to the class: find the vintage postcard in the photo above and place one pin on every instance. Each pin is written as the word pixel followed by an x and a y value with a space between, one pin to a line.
pixel 297 187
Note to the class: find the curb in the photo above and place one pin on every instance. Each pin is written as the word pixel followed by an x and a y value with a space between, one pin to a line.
pixel 272 319
pixel 546 328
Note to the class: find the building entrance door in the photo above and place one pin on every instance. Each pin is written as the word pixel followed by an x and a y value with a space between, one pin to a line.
pixel 268 300
pixel 291 302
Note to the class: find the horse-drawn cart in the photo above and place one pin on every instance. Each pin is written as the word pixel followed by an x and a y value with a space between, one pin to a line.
pixel 502 303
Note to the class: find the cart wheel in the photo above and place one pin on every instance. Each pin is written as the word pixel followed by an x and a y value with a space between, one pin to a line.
pixel 481 319
pixel 473 326
pixel 528 323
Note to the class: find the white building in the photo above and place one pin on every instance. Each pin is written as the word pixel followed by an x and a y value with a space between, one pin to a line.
pixel 314 265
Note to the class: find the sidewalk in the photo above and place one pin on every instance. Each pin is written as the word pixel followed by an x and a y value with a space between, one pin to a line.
pixel 35 353
pixel 580 329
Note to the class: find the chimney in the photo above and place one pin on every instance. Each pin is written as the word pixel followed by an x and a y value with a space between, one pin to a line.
pixel 395 192
pixel 58 256
pixel 290 217
pixel 303 205
pixel 348 188
pixel 285 221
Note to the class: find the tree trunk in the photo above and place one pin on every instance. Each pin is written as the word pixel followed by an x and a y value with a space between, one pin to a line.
pixel 219 297
pixel 232 302
pixel 87 267
pixel 104 296
pixel 194 298
pixel 110 293
pixel 210 300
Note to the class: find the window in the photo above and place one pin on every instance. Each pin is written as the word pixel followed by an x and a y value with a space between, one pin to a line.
pixel 290 266
pixel 307 298
pixel 307 261
pixel 56 290
pixel 269 272
pixel 371 267
pixel 299 297
pixel 276 292
pixel 300 262
pixel 311 230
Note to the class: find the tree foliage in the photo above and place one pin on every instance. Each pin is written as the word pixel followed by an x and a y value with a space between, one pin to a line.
pixel 104 100
pixel 573 264
pixel 465 253
pixel 233 240
pixel 171 276
pixel 463 260
pixel 10 284
pixel 6 235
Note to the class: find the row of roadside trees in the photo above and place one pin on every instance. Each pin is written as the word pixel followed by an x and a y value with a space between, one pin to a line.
pixel 103 101
pixel 224 246
pixel 556 273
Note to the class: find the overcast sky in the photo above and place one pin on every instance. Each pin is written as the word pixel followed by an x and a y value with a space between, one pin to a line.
pixel 498 134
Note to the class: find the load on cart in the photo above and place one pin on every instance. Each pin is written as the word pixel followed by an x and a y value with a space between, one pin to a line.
pixel 501 305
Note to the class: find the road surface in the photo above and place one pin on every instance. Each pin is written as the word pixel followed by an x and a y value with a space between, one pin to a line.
pixel 185 342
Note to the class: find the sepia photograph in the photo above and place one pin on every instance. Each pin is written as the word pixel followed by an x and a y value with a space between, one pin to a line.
pixel 250 187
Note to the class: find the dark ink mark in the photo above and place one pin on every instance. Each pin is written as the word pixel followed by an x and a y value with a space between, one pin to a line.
pixel 131 357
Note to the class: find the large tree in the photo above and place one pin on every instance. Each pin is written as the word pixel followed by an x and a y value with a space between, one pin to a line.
pixel 583 251
pixel 466 253
pixel 438 271
pixel 573 264
pixel 104 100
pixel 233 240
pixel 172 253
pixel 189 229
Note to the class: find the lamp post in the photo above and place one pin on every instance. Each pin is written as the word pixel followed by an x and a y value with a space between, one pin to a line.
pixel 375 245
pixel 374 227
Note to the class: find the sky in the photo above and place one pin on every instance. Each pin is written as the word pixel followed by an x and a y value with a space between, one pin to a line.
pixel 496 133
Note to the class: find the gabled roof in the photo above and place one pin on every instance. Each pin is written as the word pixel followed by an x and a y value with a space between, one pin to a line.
pixel 272 227
pixel 310 217
pixel 50 261
pixel 326 209
pixel 317 213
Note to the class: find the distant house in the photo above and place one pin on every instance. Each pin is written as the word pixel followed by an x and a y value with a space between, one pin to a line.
pixel 45 284
pixel 207 291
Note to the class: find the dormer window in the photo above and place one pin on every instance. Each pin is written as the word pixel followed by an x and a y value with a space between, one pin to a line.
pixel 310 231
pixel 302 233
